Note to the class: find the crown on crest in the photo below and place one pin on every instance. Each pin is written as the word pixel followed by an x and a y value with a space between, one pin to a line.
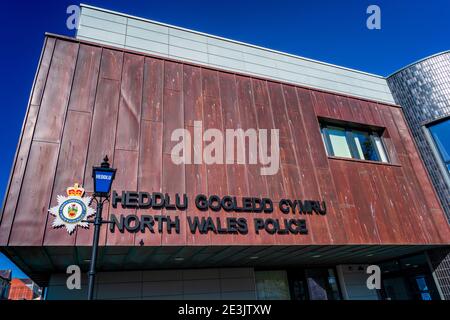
pixel 75 191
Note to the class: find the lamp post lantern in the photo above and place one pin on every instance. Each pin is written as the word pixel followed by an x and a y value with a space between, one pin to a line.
pixel 103 177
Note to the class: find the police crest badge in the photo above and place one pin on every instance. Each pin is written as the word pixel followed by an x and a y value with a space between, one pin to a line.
pixel 72 210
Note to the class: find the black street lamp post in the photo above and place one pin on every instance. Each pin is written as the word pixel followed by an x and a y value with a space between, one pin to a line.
pixel 103 177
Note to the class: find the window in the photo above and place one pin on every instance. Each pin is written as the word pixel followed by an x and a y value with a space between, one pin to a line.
pixel 441 134
pixel 338 142
pixel 322 284
pixel 353 143
pixel 272 285
pixel 408 278
pixel 313 284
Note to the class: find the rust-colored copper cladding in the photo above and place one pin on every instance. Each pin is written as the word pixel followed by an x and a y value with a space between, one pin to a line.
pixel 89 100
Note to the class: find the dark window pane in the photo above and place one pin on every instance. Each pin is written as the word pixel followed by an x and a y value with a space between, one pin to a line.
pixel 364 146
pixel 272 285
pixel 441 136
pixel 322 284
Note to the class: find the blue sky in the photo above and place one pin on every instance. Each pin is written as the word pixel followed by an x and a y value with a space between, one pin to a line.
pixel 5 263
pixel 327 30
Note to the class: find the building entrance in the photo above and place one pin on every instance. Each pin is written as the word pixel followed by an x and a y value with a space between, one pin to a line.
pixel 298 284
pixel 408 279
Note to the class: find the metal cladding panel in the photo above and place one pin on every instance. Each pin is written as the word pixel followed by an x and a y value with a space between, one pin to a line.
pixel 124 31
pixel 117 102
pixel 423 91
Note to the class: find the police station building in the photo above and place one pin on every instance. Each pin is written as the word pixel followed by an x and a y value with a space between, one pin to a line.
pixel 242 173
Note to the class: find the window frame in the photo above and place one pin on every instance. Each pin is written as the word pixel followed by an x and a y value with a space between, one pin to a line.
pixel 350 139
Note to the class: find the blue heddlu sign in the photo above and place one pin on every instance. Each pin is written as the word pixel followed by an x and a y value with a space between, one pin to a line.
pixel 103 181
pixel 103 178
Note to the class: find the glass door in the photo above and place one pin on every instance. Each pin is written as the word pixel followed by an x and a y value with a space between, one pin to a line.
pixel 297 285
pixel 408 278
pixel 423 288
pixel 313 284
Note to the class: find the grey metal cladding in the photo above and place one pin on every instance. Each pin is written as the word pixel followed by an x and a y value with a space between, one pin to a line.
pixel 423 90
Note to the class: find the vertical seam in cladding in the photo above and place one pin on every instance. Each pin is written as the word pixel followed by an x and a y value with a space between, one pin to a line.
pixel 240 122
pixel 66 111
pixel 141 121
pixel 309 150
pixel 115 132
pixel 208 236
pixel 184 164
pixel 224 145
pixel 162 138
pixel 255 112
pixel 161 174
pixel 126 34
pixel 294 142
pixel 280 165
pixel 90 126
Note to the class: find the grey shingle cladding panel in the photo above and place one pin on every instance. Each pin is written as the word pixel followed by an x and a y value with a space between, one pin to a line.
pixel 151 37
pixel 423 91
